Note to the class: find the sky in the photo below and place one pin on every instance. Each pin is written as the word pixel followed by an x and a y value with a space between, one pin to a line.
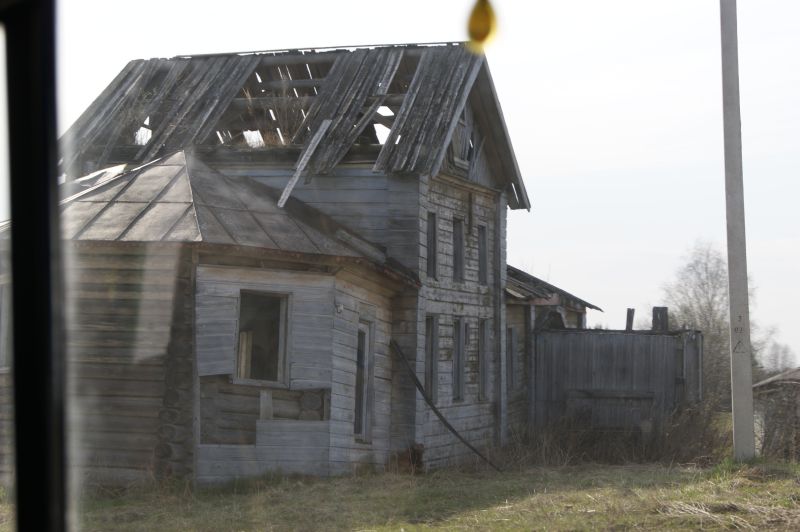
pixel 614 109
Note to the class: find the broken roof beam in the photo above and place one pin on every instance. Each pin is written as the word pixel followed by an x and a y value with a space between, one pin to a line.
pixel 305 157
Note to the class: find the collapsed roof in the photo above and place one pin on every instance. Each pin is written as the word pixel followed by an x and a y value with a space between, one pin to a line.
pixel 319 103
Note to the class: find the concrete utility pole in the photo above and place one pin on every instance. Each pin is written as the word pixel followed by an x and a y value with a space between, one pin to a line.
pixel 741 369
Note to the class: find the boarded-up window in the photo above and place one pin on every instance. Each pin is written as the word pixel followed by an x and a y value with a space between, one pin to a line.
pixel 363 364
pixel 432 245
pixel 432 357
pixel 511 355
pixel 483 359
pixel 460 333
pixel 262 337
pixel 483 260
pixel 458 249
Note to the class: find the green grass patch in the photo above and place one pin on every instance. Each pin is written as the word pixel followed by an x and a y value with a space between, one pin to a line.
pixel 738 496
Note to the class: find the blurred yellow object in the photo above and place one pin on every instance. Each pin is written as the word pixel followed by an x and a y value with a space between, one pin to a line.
pixel 482 25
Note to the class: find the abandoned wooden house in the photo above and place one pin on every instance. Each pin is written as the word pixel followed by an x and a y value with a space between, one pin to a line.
pixel 257 245
pixel 777 407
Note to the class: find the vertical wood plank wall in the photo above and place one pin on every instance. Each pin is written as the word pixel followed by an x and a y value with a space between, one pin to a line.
pixel 469 300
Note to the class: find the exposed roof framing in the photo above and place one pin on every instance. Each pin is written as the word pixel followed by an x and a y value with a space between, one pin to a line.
pixel 268 100
pixel 525 286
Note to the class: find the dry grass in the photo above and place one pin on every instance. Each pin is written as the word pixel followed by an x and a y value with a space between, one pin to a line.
pixel 554 498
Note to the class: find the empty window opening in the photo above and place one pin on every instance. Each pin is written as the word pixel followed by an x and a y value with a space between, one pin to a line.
pixel 432 357
pixel 483 259
pixel 385 111
pixel 142 136
pixel 253 138
pixel 458 250
pixel 363 364
pixel 460 332
pixel 382 132
pixel 483 360
pixel 433 244
pixel 262 326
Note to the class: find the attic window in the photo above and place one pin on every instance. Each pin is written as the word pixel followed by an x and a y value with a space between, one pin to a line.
pixel 262 336
pixel 143 134
pixel 385 111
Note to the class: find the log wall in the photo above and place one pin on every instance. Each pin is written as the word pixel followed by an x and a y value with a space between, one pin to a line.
pixel 130 351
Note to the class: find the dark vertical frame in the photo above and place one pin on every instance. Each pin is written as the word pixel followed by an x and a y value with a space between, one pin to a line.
pixel 432 357
pixel 458 250
pixel 433 240
pixel 483 259
pixel 483 362
pixel 35 265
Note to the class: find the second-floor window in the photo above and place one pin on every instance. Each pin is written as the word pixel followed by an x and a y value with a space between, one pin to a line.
pixel 483 258
pixel 432 245
pixel 483 360
pixel 458 250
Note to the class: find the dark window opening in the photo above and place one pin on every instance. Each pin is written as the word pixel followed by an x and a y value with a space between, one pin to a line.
pixel 261 339
pixel 458 250
pixel 511 348
pixel 363 362
pixel 483 261
pixel 460 333
pixel 432 245
pixel 432 357
pixel 483 359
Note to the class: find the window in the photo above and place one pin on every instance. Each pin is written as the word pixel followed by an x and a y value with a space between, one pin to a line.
pixel 262 337
pixel 458 250
pixel 511 354
pixel 483 261
pixel 483 359
pixel 460 335
pixel 432 357
pixel 363 366
pixel 432 245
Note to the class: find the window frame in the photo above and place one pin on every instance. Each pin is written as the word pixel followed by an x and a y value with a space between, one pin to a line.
pixel 365 435
pixel 483 255
pixel 283 341
pixel 432 262
pixel 484 330
pixel 432 357
pixel 460 343
pixel 459 246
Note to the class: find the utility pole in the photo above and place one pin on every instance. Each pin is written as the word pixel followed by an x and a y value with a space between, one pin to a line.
pixel 741 350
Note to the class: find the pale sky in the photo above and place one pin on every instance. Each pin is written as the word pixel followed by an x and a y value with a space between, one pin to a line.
pixel 614 109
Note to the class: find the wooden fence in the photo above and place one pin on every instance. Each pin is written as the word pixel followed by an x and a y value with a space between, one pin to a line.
pixel 614 380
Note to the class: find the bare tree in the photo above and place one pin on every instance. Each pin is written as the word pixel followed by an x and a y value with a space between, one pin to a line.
pixel 698 299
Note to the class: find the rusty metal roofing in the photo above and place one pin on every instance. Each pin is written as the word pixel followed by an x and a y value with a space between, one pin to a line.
pixel 282 99
pixel 523 285
pixel 180 199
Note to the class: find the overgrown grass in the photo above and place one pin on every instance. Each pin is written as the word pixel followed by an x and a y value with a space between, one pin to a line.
pixel 582 497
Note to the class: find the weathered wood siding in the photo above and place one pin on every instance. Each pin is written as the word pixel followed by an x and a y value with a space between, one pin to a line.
pixel 366 299
pixel 309 320
pixel 130 349
pixel 474 416
pixel 613 380
pixel 517 359
pixel 379 208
